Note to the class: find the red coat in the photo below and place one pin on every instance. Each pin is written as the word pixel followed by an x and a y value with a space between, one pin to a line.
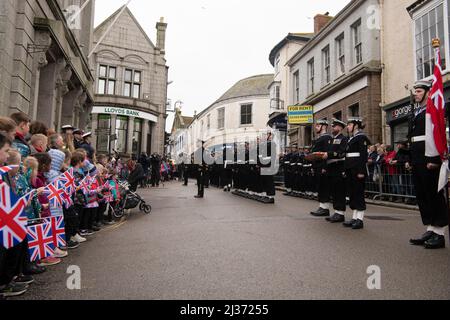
pixel 391 169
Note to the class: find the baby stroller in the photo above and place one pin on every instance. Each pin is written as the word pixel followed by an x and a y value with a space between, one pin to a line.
pixel 130 200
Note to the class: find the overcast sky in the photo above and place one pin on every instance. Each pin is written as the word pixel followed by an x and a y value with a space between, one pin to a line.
pixel 212 44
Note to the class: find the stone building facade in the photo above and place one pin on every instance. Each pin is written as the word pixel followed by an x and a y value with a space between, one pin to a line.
pixel 44 68
pixel 130 74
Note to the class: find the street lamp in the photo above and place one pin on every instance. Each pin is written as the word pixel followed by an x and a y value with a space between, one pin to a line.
pixel 178 103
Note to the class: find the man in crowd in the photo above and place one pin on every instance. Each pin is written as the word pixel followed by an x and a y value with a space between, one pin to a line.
pixel 22 130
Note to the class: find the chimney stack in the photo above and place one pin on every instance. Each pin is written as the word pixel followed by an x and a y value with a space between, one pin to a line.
pixel 161 28
pixel 320 21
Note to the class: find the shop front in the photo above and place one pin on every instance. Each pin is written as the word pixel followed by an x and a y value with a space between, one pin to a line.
pixel 398 113
pixel 397 118
pixel 123 130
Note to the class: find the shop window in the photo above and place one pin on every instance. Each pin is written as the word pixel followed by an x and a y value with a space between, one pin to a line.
pixel 122 134
pixel 104 133
pixel 137 136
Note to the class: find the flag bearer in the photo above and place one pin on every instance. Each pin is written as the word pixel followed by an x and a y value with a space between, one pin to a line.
pixel 432 204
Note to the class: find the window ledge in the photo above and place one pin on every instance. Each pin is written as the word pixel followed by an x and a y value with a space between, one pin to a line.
pixel 356 66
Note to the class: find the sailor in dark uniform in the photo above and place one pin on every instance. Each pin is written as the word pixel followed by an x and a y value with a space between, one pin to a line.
pixel 308 174
pixel 356 171
pixel 288 174
pixel 266 160
pixel 227 172
pixel 336 170
pixel 320 168
pixel 200 168
pixel 432 204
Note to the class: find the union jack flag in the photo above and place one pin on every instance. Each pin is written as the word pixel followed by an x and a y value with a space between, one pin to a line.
pixel 69 181
pixel 85 185
pixel 58 231
pixel 40 241
pixel 13 218
pixel 67 199
pixel 5 170
pixel 55 194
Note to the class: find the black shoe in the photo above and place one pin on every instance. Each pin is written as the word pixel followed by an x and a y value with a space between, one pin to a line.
pixel 33 269
pixel 435 242
pixel 95 229
pixel 337 218
pixel 13 290
pixel 198 197
pixel 420 242
pixel 72 245
pixel 23 279
pixel 349 224
pixel 359 224
pixel 321 213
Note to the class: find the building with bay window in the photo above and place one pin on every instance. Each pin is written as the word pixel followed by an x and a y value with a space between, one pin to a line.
pixel 129 114
pixel 408 56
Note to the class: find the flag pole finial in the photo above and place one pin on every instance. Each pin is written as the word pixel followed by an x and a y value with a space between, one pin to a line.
pixel 436 43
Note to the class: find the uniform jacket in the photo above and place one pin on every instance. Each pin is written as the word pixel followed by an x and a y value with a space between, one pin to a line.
pixel 417 129
pixel 357 144
pixel 336 154
pixel 321 145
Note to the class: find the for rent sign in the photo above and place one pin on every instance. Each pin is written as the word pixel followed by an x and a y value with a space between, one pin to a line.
pixel 302 115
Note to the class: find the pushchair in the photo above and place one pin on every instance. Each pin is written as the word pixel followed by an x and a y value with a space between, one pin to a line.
pixel 130 200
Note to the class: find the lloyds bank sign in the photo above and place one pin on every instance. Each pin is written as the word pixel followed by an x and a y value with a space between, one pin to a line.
pixel 125 112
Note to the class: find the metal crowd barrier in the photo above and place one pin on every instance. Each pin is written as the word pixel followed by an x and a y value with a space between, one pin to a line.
pixel 390 182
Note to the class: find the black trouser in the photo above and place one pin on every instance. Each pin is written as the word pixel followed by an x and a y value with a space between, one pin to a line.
pixel 11 262
pixel 155 178
pixel 87 218
pixel 71 222
pixel 432 205
pixel 100 212
pixel 201 184
pixel 186 178
pixel 288 177
pixel 356 188
pixel 338 191
pixel 323 186
pixel 227 175
pixel 268 185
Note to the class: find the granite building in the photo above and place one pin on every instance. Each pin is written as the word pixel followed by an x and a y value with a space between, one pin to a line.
pixel 44 68
pixel 130 71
